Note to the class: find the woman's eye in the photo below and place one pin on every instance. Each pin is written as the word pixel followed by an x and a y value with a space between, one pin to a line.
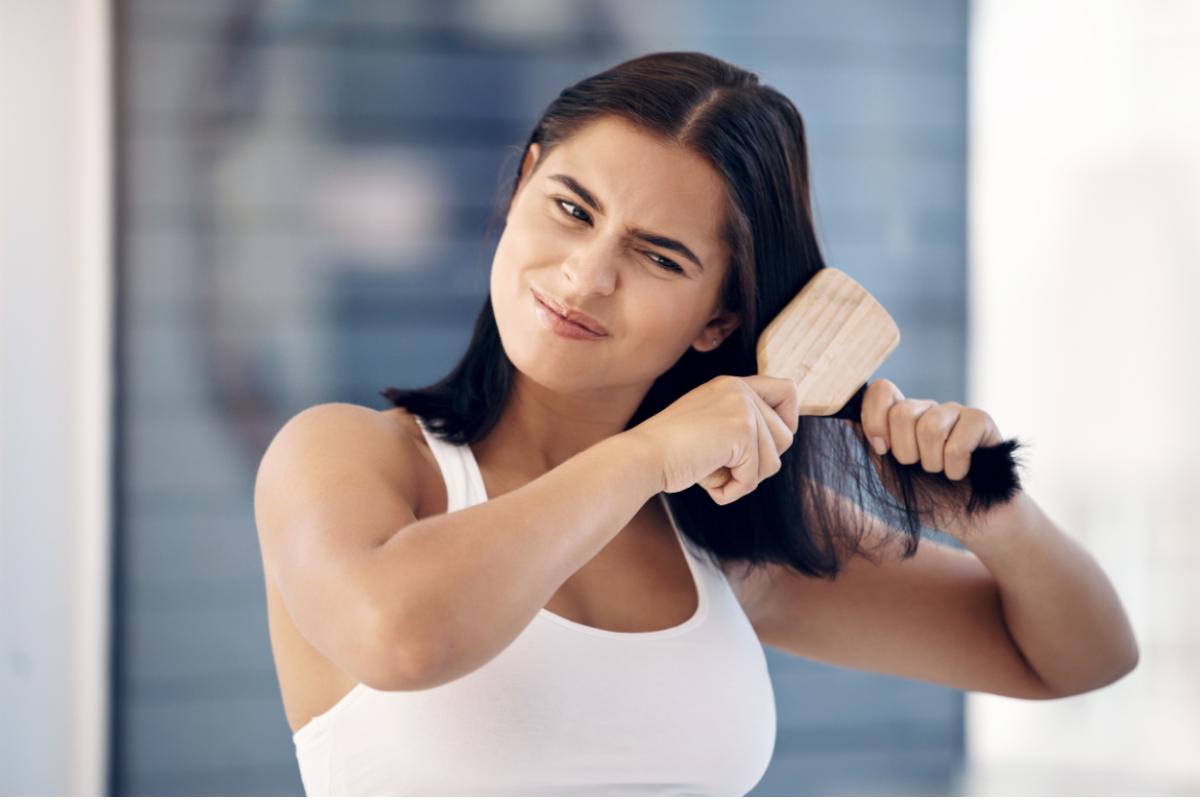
pixel 665 263
pixel 563 203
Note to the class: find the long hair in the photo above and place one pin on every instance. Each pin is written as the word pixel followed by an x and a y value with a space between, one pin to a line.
pixel 754 137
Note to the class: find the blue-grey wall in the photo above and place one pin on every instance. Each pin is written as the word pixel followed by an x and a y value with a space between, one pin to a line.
pixel 270 259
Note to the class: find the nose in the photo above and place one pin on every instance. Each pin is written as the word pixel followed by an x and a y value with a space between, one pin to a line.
pixel 592 268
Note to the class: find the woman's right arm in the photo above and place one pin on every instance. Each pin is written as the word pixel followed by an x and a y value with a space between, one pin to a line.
pixel 400 603
pixel 418 603
pixel 461 586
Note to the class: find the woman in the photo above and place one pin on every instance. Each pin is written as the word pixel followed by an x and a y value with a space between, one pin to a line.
pixel 521 580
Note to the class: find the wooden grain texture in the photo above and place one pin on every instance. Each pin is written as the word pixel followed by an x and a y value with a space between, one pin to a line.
pixel 831 337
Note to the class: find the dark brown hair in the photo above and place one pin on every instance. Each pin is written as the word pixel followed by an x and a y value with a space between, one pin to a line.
pixel 754 138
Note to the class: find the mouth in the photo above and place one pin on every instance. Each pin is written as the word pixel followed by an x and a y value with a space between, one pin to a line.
pixel 568 316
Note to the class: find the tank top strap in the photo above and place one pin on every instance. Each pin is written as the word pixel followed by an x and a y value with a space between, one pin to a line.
pixel 456 465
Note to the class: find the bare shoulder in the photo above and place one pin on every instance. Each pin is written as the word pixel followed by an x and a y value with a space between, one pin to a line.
pixel 335 483
pixel 327 435
pixel 405 421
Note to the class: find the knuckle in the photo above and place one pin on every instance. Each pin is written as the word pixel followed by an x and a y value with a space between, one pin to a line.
pixel 725 383
pixel 956 452
pixel 906 410
pixel 748 406
pixel 931 423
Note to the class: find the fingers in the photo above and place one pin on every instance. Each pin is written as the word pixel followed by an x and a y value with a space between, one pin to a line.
pixel 974 429
pixel 768 446
pixel 780 394
pixel 743 480
pixel 777 405
pixel 877 401
pixel 902 427
pixel 941 436
pixel 893 422
pixel 773 437
pixel 933 430
pixel 774 434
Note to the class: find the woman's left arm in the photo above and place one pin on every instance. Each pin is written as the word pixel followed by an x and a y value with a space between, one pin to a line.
pixel 1059 606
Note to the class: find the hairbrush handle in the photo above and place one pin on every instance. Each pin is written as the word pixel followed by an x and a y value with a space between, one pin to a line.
pixel 992 475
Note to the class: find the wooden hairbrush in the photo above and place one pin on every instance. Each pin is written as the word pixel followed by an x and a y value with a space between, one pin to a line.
pixel 830 338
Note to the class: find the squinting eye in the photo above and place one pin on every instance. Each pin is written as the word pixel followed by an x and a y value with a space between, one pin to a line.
pixel 563 203
pixel 665 263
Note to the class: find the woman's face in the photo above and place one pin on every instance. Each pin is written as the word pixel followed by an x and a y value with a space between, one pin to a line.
pixel 582 251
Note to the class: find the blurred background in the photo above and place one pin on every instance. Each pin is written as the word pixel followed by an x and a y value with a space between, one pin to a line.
pixel 215 214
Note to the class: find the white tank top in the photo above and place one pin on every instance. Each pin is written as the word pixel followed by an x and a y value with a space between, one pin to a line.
pixel 565 709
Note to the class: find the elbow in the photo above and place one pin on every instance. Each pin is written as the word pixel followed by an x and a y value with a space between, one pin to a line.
pixel 1131 662
pixel 1119 670
pixel 403 663
pixel 422 666
pixel 409 669
pixel 1127 664
pixel 1101 680
pixel 1132 654
pixel 1134 657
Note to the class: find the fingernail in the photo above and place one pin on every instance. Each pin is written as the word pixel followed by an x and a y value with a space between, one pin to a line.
pixel 879 444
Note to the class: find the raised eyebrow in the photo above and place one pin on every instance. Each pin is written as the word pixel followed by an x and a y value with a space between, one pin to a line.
pixel 656 239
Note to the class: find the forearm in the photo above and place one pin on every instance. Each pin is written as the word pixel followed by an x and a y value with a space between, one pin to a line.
pixel 467 582
pixel 1059 606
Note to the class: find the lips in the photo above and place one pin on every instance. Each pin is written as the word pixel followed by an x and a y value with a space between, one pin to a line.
pixel 578 317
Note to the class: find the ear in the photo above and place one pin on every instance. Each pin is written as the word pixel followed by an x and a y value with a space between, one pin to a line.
pixel 531 157
pixel 718 329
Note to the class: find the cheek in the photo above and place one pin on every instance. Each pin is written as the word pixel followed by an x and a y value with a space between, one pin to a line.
pixel 529 240
pixel 515 252
pixel 663 320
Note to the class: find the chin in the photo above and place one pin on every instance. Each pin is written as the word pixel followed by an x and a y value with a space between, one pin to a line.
pixel 560 374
